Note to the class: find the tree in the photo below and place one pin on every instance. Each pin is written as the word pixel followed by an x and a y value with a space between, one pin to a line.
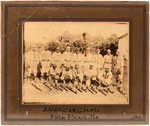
pixel 52 46
pixel 80 45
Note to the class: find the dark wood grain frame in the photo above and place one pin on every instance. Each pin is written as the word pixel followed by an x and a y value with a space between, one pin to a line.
pixel 13 16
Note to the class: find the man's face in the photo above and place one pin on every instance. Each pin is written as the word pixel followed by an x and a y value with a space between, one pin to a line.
pixel 67 68
pixel 106 70
pixel 117 53
pixel 108 52
pixel 87 51
pixel 91 67
pixel 98 51
pixel 54 67
pixel 76 66
pixel 57 50
pixel 68 48
pixel 78 51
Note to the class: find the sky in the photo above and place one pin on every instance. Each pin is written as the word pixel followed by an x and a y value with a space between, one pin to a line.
pixel 42 32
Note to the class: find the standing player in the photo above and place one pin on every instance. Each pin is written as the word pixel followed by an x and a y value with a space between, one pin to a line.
pixel 67 56
pixel 57 58
pixel 87 60
pixel 98 61
pixel 108 60
pixel 43 61
pixel 39 73
pixel 77 59
pixel 88 67
pixel 30 60
pixel 118 64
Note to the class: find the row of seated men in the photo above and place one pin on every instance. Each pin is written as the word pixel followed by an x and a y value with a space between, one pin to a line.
pixel 76 78
pixel 80 68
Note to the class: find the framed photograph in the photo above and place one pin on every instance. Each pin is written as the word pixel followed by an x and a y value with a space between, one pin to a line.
pixel 74 62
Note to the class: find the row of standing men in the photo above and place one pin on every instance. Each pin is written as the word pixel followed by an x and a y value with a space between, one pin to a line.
pixel 89 64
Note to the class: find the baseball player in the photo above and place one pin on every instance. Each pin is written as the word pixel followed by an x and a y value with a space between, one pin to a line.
pixel 88 59
pixel 67 56
pixel 54 74
pixel 77 76
pixel 77 59
pixel 118 64
pixel 108 59
pixel 56 58
pixel 106 80
pixel 98 61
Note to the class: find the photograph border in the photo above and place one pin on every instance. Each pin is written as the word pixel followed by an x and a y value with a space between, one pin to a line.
pixel 6 5
pixel 22 20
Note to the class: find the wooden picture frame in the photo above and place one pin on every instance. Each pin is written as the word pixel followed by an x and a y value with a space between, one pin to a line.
pixel 13 16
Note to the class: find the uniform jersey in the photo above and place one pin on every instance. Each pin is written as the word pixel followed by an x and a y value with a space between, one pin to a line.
pixel 88 60
pixel 118 64
pixel 105 77
pixel 78 73
pixel 108 61
pixel 98 60
pixel 67 74
pixel 30 60
pixel 92 73
pixel 45 61
pixel 67 57
pixel 77 59
pixel 56 59
pixel 108 58
pixel 54 72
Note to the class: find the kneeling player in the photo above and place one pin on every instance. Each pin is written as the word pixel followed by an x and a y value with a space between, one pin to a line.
pixel 106 80
pixel 54 74
pixel 77 76
pixel 90 76
pixel 67 76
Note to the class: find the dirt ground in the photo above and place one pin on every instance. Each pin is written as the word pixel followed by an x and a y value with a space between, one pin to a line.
pixel 39 93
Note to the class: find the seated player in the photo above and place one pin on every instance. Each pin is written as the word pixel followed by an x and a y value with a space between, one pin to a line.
pixel 93 75
pixel 106 80
pixel 77 76
pixel 67 75
pixel 54 74
pixel 90 76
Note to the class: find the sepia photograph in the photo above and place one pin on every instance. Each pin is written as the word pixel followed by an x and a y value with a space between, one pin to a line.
pixel 75 63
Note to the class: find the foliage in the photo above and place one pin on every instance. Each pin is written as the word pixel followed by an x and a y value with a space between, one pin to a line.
pixel 78 44
pixel 52 46
pixel 95 42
